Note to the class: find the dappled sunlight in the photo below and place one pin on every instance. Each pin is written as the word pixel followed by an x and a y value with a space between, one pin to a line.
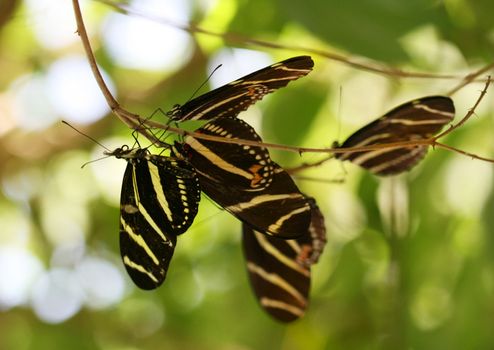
pixel 104 170
pixel 467 186
pixel 408 263
pixel 56 295
pixel 19 269
pixel 432 305
pixel 73 91
pixel 138 43
pixel 346 218
pixel 32 109
pixel 51 25
pixel 392 199
pixel 65 91
pixel 141 317
pixel 101 281
pixel 235 63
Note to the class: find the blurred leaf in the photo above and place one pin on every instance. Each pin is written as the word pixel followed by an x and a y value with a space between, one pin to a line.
pixel 287 121
pixel 369 28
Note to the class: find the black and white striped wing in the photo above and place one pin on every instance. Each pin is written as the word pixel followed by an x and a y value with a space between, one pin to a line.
pixel 237 96
pixel 280 210
pixel 245 181
pixel 415 120
pixel 159 201
pixel 279 270
pixel 246 167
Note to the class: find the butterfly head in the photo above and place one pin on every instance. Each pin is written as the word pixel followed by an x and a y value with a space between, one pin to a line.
pixel 175 113
pixel 125 152
pixel 181 150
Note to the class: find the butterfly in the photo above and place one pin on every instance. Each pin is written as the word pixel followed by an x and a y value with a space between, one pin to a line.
pixel 415 120
pixel 264 196
pixel 159 201
pixel 279 269
pixel 237 96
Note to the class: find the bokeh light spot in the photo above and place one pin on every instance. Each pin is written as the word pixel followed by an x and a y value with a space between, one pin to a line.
pixel 57 296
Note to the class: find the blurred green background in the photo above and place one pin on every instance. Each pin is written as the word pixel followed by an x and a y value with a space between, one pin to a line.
pixel 409 262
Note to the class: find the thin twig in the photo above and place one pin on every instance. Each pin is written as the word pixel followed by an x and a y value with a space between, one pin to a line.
pixel 457 150
pixel 469 78
pixel 318 179
pixel 304 166
pixel 354 62
pixel 81 30
pixel 467 116
pixel 136 122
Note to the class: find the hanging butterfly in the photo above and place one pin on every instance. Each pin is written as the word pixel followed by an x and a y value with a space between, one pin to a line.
pixel 279 269
pixel 237 96
pixel 415 120
pixel 245 181
pixel 159 200
pixel 246 167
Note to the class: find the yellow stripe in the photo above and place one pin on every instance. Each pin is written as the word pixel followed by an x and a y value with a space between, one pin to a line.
pixel 257 200
pixel 270 249
pixel 285 68
pixel 380 167
pixel 276 304
pixel 217 161
pixel 294 245
pixel 367 141
pixel 139 240
pixel 139 268
pixel 276 226
pixel 372 154
pixel 419 122
pixel 432 110
pixel 264 81
pixel 143 210
pixel 277 281
pixel 158 189
pixel 214 106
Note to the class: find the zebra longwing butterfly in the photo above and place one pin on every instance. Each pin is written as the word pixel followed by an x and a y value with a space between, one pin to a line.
pixel 278 209
pixel 279 270
pixel 159 200
pixel 237 96
pixel 241 166
pixel 415 120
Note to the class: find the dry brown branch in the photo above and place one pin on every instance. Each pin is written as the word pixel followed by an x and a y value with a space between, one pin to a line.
pixel 142 125
pixel 360 63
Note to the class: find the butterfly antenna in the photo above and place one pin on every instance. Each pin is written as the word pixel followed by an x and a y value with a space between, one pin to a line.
pixel 94 160
pixel 204 82
pixel 338 115
pixel 89 137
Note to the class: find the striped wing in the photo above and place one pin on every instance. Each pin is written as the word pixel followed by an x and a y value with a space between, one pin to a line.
pixel 245 167
pixel 279 270
pixel 415 120
pixel 237 96
pixel 228 174
pixel 279 210
pixel 159 201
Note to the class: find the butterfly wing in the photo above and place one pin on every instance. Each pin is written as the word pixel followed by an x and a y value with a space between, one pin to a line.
pixel 279 270
pixel 229 173
pixel 177 191
pixel 237 96
pixel 158 201
pixel 246 167
pixel 415 120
